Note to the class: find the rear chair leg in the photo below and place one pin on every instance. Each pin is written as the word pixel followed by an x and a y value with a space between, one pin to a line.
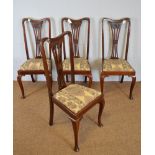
pixel 21 85
pixel 102 82
pixel 122 78
pixel 33 80
pixel 67 78
pixel 132 86
pixel 85 80
pixel 51 110
pixel 90 81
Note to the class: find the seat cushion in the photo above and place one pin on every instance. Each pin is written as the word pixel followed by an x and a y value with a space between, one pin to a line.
pixel 117 65
pixel 75 97
pixel 34 64
pixel 80 64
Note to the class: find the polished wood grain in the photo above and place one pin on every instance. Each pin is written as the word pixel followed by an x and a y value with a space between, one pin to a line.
pixel 56 49
pixel 76 25
pixel 37 26
pixel 115 27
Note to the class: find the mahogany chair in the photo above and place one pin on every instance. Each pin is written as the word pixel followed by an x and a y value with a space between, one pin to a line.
pixel 116 65
pixel 75 100
pixel 33 65
pixel 82 66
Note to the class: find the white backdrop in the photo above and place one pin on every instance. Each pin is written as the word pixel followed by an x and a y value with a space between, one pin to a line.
pixel 95 9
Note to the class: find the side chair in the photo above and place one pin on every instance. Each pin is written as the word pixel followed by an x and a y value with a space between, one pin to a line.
pixel 81 64
pixel 33 65
pixel 75 100
pixel 117 65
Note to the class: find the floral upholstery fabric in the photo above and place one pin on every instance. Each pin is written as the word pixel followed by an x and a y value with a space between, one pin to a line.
pixel 79 64
pixel 116 65
pixel 34 64
pixel 75 97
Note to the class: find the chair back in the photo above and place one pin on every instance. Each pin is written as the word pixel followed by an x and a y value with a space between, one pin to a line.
pixel 37 26
pixel 55 48
pixel 115 27
pixel 75 29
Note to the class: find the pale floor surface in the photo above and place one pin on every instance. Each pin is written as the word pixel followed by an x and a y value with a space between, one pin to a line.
pixel 119 136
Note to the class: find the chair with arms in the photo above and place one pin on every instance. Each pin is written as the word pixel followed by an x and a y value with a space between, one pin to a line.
pixel 33 65
pixel 75 100
pixel 81 64
pixel 115 65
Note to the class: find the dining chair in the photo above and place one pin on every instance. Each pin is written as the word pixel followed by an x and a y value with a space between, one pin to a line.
pixel 117 64
pixel 33 64
pixel 81 63
pixel 74 99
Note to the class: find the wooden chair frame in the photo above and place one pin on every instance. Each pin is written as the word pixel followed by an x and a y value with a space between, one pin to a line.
pixel 75 29
pixel 37 29
pixel 115 26
pixel 55 45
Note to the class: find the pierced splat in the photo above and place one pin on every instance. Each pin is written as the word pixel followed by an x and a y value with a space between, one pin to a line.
pixel 37 28
pixel 75 26
pixel 57 54
pixel 115 26
pixel 55 48
pixel 75 29
pixel 115 29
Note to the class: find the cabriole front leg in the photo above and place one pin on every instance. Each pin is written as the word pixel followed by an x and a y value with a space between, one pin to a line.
pixel 75 124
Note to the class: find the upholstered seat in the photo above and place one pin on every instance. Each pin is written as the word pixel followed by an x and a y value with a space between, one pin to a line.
pixel 117 65
pixel 80 64
pixel 34 64
pixel 75 97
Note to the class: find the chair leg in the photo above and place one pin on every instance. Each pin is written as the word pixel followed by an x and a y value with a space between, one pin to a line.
pixel 85 80
pixel 51 111
pixel 90 80
pixel 67 78
pixel 101 107
pixel 122 79
pixel 33 80
pixel 75 124
pixel 21 85
pixel 102 82
pixel 132 86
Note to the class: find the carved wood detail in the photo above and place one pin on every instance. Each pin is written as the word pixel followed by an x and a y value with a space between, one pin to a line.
pixel 75 29
pixel 37 29
pixel 75 35
pixel 115 29
pixel 115 26
pixel 55 47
